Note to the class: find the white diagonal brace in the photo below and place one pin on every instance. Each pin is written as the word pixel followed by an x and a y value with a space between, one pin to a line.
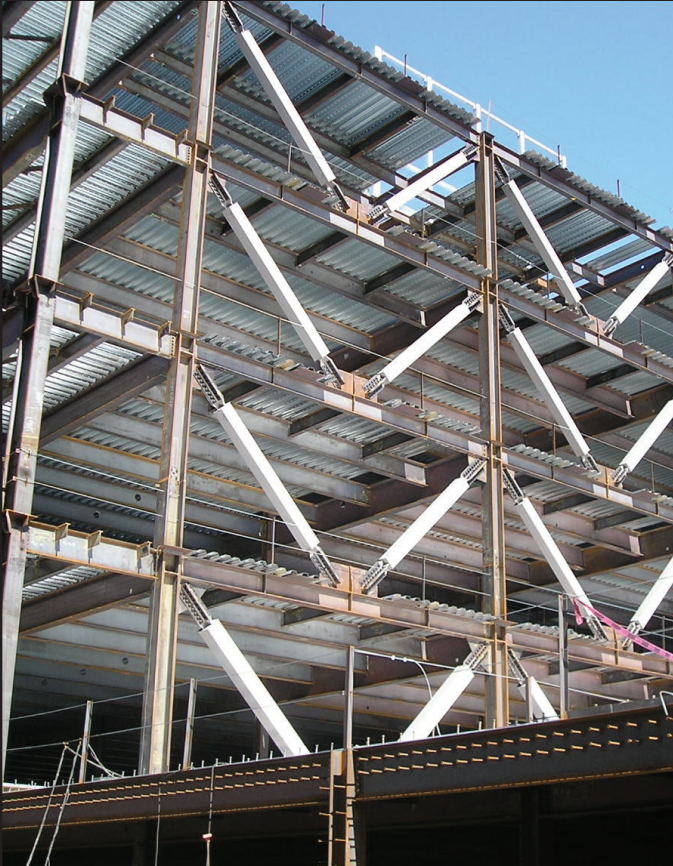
pixel 644 443
pixel 549 549
pixel 652 600
pixel 444 698
pixel 242 675
pixel 542 707
pixel 274 279
pixel 422 525
pixel 542 243
pixel 259 466
pixel 549 393
pixel 426 179
pixel 282 103
pixel 423 344
pixel 638 294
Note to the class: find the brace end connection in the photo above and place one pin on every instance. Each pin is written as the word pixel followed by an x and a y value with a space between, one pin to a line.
pixel 324 566
pixel 596 627
pixel 219 189
pixel 210 390
pixel 378 213
pixel 610 326
pixel 331 371
pixel 620 473
pixel 506 321
pixel 512 487
pixel 375 385
pixel 336 190
pixel 231 16
pixel 590 464
pixel 375 575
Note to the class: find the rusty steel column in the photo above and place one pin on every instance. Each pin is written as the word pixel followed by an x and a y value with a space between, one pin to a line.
pixel 157 716
pixel 37 296
pixel 494 564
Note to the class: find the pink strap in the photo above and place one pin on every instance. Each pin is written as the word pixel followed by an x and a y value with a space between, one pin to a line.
pixel 619 628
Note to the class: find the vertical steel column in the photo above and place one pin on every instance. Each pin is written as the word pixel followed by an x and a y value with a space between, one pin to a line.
pixel 348 698
pixel 495 599
pixel 38 299
pixel 86 737
pixel 189 725
pixel 564 690
pixel 163 617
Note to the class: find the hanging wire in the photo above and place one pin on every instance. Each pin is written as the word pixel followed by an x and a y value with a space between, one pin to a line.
pixel 47 807
pixel 64 802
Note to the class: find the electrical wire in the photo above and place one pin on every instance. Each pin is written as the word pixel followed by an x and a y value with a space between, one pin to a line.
pixel 47 807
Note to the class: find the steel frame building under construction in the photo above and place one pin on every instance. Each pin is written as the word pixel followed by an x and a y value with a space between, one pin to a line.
pixel 338 491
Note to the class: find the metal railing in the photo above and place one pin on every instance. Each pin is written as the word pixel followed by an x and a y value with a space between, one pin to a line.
pixel 523 139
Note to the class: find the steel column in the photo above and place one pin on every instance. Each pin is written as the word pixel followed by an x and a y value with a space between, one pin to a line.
pixel 189 725
pixel 564 689
pixel 162 635
pixel 495 600
pixel 86 737
pixel 349 698
pixel 44 273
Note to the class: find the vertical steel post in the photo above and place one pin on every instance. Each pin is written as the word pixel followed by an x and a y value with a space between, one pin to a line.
pixel 348 698
pixel 38 299
pixel 262 741
pixel 86 737
pixel 189 725
pixel 564 690
pixel 163 618
pixel 495 598
pixel 530 714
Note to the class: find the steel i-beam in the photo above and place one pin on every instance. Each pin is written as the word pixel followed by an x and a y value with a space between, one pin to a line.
pixel 551 552
pixel 644 443
pixel 540 240
pixel 274 279
pixel 259 466
pixel 242 675
pixel 424 180
pixel 652 600
pixel 283 104
pixel 422 345
pixel 422 525
pixel 638 294
pixel 548 392
pixel 445 697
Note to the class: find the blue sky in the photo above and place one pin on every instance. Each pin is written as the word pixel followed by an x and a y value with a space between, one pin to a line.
pixel 594 77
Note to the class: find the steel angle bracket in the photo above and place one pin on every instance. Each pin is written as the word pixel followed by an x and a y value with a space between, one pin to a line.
pixel 265 474
pixel 283 104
